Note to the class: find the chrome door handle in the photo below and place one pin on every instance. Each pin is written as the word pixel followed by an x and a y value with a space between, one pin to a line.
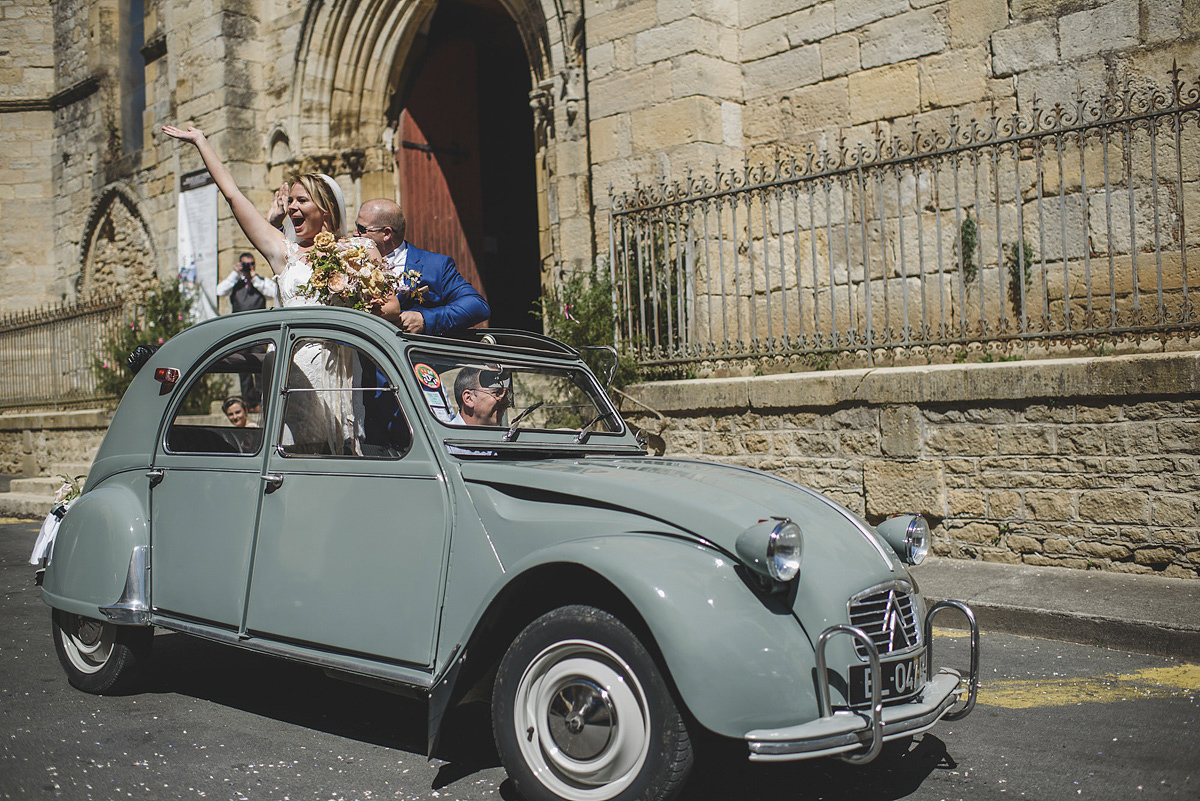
pixel 273 481
pixel 156 476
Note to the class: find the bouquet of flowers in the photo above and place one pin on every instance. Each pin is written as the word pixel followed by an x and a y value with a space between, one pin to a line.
pixel 344 274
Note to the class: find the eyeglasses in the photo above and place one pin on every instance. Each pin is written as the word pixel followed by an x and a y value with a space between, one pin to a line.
pixel 363 229
pixel 495 392
pixel 247 263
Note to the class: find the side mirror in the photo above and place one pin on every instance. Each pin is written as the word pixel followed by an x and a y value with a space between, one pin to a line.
pixel 612 353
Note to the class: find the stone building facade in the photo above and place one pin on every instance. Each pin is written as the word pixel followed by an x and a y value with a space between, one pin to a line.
pixel 548 105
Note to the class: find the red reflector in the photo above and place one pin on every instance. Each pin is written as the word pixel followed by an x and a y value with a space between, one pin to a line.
pixel 167 375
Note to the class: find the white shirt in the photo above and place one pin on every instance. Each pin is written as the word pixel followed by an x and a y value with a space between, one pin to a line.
pixel 267 288
pixel 397 259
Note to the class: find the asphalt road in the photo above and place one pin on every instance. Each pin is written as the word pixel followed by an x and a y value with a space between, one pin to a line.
pixel 1054 721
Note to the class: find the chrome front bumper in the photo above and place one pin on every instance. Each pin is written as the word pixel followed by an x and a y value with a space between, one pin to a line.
pixel 858 736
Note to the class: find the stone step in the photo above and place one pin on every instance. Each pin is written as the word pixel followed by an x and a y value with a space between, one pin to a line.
pixel 24 505
pixel 44 486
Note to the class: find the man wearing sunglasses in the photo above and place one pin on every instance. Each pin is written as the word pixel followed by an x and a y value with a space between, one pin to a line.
pixel 450 303
pixel 482 395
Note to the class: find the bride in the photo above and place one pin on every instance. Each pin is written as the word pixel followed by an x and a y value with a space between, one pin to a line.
pixel 326 416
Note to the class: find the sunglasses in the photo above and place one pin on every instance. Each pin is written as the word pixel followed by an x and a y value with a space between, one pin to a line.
pixel 495 392
pixel 363 229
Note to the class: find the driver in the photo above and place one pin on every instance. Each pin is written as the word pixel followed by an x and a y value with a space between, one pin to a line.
pixel 483 396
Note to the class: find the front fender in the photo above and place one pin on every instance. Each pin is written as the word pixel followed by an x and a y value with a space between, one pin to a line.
pixel 91 556
pixel 739 660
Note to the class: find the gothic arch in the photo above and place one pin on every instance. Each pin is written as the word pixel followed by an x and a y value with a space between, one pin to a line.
pixel 117 253
pixel 351 55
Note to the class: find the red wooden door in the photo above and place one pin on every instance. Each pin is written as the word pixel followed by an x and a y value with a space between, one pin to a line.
pixel 438 159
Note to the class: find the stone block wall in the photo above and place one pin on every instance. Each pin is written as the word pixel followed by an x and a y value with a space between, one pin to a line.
pixel 1087 463
pixel 34 444
pixel 676 85
pixel 26 190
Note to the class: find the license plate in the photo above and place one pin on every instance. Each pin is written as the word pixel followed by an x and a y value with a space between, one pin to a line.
pixel 900 678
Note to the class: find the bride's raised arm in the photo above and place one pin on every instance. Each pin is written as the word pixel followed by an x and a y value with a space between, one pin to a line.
pixel 265 238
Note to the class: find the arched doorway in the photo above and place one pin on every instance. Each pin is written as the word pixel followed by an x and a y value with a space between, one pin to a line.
pixel 465 154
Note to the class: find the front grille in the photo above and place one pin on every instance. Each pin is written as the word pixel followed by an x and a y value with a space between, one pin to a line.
pixel 888 616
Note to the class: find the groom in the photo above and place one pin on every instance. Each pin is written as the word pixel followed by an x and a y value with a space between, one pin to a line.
pixel 449 304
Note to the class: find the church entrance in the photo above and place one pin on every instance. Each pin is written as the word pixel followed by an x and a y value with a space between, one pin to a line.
pixel 465 155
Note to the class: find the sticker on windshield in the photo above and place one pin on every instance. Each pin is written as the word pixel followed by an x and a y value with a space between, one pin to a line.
pixel 427 376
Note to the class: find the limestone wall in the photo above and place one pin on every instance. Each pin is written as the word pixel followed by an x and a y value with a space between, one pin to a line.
pixel 26 191
pixel 677 84
pixel 35 444
pixel 1086 463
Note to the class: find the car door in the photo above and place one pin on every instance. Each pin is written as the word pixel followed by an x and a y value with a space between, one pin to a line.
pixel 353 532
pixel 206 490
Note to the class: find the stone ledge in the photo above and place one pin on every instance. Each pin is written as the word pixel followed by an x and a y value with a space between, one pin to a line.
pixel 82 418
pixel 1155 374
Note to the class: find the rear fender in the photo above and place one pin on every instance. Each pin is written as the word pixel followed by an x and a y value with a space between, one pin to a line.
pixel 90 562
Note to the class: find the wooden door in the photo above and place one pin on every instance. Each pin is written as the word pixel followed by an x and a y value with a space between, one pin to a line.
pixel 438 159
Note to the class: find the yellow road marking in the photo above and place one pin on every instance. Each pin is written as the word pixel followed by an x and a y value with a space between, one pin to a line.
pixel 4 520
pixel 1163 682
pixel 940 632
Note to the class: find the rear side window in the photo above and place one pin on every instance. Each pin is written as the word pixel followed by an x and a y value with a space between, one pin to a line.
pixel 214 416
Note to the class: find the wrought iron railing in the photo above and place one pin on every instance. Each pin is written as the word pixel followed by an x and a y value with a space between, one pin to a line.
pixel 46 354
pixel 1066 224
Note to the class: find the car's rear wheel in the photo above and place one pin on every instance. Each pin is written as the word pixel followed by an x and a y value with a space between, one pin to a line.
pixel 97 656
pixel 581 712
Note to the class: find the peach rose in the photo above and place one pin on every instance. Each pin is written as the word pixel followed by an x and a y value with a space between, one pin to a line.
pixel 338 282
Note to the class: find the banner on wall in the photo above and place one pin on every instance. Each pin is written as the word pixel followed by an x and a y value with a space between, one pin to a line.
pixel 197 246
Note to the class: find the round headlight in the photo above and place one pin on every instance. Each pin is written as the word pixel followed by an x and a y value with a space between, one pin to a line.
pixel 784 548
pixel 916 540
pixel 908 535
pixel 772 548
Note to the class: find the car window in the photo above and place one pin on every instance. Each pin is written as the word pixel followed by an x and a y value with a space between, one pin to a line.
pixel 214 417
pixel 338 402
pixel 466 392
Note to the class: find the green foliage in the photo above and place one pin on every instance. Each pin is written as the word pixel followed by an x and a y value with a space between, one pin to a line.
pixel 968 244
pixel 580 312
pixel 1018 260
pixel 158 317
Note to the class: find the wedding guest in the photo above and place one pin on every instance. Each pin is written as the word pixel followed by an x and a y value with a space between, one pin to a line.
pixel 248 291
pixel 235 410
pixel 450 303
pixel 482 396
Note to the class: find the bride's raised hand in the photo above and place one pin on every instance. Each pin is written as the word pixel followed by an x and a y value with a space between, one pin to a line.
pixel 190 134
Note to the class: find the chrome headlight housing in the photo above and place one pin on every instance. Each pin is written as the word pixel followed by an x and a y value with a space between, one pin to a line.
pixel 908 535
pixel 772 548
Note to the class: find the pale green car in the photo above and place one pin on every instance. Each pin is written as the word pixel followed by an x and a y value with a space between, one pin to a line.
pixel 438 515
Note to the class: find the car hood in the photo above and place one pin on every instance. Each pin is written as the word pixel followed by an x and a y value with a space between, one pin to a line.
pixel 842 554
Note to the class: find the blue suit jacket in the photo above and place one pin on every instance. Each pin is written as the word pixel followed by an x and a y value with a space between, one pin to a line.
pixel 450 302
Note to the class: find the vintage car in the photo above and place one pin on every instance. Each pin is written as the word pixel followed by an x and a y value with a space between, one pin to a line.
pixel 610 603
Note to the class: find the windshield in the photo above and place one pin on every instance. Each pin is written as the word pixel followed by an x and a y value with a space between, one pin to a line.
pixel 470 393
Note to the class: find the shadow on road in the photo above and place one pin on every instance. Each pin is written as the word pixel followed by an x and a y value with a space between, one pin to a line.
pixel 304 696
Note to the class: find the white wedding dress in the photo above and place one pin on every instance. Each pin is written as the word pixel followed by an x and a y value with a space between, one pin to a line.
pixel 329 419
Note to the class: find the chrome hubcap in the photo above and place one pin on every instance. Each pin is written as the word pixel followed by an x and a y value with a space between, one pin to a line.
pixel 581 718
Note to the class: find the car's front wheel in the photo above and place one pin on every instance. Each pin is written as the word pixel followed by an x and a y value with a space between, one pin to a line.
pixel 97 656
pixel 581 712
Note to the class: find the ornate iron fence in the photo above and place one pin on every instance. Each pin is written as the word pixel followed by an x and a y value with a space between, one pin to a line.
pixel 1065 224
pixel 46 355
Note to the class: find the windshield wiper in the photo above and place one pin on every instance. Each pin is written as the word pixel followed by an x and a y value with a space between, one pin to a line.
pixel 585 431
pixel 512 429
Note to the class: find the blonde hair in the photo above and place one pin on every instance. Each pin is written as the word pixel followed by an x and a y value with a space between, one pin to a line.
pixel 318 186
